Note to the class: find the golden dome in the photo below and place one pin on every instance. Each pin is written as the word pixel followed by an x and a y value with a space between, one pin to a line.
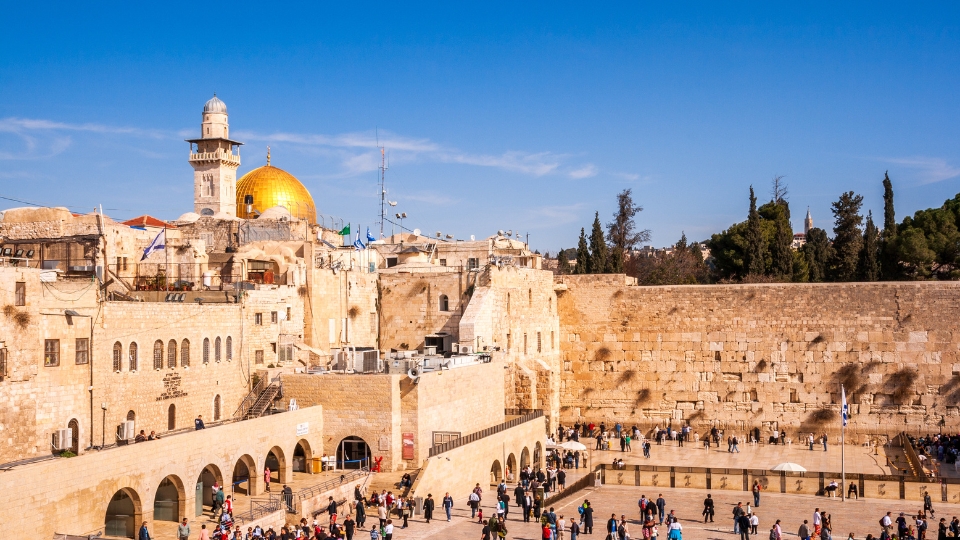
pixel 271 187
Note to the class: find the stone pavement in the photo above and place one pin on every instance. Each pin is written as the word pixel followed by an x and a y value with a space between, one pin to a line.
pixel 857 516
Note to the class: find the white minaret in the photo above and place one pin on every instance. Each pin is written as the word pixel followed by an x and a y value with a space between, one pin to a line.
pixel 215 159
pixel 807 223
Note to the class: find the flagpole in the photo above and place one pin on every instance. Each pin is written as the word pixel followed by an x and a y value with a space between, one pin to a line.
pixel 843 427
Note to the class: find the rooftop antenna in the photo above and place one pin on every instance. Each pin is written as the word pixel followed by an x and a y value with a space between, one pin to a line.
pixel 383 187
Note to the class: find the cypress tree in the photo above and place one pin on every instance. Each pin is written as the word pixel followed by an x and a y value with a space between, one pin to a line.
pixel 753 256
pixel 889 262
pixel 563 264
pixel 598 248
pixel 848 237
pixel 583 255
pixel 782 249
pixel 869 266
pixel 622 231
pixel 818 252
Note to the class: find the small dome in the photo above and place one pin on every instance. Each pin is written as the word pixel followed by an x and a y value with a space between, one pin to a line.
pixel 189 217
pixel 276 212
pixel 215 106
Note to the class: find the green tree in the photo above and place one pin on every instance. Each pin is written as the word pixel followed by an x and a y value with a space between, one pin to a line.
pixel 869 265
pixel 801 272
pixel 622 232
pixel 848 237
pixel 781 248
pixel 889 264
pixel 599 259
pixel 683 266
pixel 583 255
pixel 928 243
pixel 818 252
pixel 563 263
pixel 753 257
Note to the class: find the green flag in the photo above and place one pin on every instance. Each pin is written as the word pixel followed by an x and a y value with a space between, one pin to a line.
pixel 345 231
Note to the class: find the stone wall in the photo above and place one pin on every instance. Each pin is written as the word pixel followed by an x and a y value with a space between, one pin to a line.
pixel 410 305
pixel 71 495
pixel 341 307
pixel 767 356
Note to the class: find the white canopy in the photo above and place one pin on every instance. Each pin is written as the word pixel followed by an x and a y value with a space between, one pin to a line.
pixel 789 467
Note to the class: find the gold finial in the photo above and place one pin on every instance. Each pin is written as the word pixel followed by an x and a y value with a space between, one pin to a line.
pixel 268 156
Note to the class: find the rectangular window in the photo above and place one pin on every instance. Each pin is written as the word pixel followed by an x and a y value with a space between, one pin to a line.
pixel 373 321
pixel 552 346
pixel 794 396
pixel 83 350
pixel 443 262
pixel 258 319
pixel 258 357
pixel 51 352
pixel 289 313
pixel 273 317
pixel 508 342
pixel 20 295
pixel 3 364
pixel 539 346
pixel 473 263
pixel 274 347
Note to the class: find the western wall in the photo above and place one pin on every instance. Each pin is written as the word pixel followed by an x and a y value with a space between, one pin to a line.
pixel 761 356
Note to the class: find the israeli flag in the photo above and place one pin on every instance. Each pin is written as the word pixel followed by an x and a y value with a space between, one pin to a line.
pixel 157 244
pixel 358 243
pixel 844 406
pixel 370 237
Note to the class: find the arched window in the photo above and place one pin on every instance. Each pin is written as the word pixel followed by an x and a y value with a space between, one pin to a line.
pixel 444 303
pixel 134 361
pixel 158 354
pixel 206 350
pixel 216 349
pixel 131 416
pixel 172 354
pixel 172 417
pixel 216 408
pixel 117 356
pixel 185 353
pixel 229 348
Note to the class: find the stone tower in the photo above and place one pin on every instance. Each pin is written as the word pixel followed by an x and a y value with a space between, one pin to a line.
pixel 215 159
pixel 807 223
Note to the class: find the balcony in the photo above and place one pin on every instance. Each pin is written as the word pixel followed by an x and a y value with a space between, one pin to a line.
pixel 219 155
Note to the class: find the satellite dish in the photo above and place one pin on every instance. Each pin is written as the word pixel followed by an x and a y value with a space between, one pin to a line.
pixel 416 232
pixel 439 234
pixel 499 233
pixel 473 238
pixel 392 203
pixel 510 233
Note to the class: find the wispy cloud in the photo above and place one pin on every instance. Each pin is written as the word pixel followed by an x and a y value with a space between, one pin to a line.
pixel 558 215
pixel 586 171
pixel 929 169
pixel 43 139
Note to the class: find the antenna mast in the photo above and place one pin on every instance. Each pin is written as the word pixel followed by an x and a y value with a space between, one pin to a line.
pixel 383 188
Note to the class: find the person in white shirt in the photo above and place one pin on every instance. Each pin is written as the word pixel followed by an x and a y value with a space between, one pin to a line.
pixel 388 530
pixel 561 527
pixel 754 523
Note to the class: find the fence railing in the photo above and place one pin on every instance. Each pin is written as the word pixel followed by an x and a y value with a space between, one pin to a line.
pixel 476 436
pixel 322 487
pixel 250 398
pixel 260 507
pixel 587 481
pixel 912 458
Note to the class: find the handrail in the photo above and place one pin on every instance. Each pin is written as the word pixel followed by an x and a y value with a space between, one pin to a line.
pixel 260 507
pixel 476 436
pixel 250 398
pixel 912 458
pixel 317 489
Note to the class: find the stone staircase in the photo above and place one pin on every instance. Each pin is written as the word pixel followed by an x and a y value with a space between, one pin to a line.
pixel 389 481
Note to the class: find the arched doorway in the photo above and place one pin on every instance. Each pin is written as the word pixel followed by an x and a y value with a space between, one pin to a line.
pixel 353 453
pixel 168 504
pixel 524 458
pixel 172 417
pixel 216 408
pixel 244 478
pixel 209 476
pixel 511 472
pixel 302 456
pixel 496 472
pixel 74 427
pixel 537 456
pixel 277 464
pixel 124 513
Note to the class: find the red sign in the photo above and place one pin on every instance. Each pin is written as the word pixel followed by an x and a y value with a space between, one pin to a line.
pixel 408 446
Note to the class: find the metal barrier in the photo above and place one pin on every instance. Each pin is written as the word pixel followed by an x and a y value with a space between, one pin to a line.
pixel 456 443
pixel 591 479
pixel 912 458
pixel 260 507
pixel 315 490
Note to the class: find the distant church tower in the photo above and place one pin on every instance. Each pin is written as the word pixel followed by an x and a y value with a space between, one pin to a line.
pixel 215 159
pixel 807 223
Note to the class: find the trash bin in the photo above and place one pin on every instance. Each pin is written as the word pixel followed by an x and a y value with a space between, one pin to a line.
pixel 317 466
pixel 418 506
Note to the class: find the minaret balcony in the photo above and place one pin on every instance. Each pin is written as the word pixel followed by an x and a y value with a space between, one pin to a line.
pixel 219 155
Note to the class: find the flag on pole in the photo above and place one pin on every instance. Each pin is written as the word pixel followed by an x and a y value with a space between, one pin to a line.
pixel 843 404
pixel 157 244
pixel 345 231
pixel 358 243
pixel 370 237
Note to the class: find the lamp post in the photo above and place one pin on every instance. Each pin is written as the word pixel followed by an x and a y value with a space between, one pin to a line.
pixel 103 426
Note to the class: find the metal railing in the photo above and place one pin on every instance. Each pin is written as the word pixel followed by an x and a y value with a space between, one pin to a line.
pixel 250 398
pixel 333 483
pixel 913 459
pixel 260 507
pixel 590 479
pixel 476 436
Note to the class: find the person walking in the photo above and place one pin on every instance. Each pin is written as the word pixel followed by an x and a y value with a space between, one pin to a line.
pixel 183 530
pixel 574 530
pixel 754 523
pixel 266 478
pixel 361 513
pixel 447 504
pixel 144 534
pixel 428 507
pixel 743 522
pixel 587 517
pixel 675 531
pixel 737 512
pixel 661 507
pixel 349 527
pixel 332 510
pixel 612 526
pixel 928 504
pixel 474 502
pixel 804 532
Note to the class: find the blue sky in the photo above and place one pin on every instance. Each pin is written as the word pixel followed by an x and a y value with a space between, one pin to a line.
pixel 516 116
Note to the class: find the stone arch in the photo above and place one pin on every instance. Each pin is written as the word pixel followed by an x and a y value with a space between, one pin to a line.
pixel 353 453
pixel 170 500
pixel 524 458
pixel 217 406
pixel 537 456
pixel 209 476
pixel 511 471
pixel 245 472
pixel 172 353
pixel 444 303
pixel 123 515
pixel 172 417
pixel 74 427
pixel 276 460
pixel 496 472
pixel 302 454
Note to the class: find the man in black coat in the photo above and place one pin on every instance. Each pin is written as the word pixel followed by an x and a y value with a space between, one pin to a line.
pixel 526 501
pixel 587 518
pixel 612 526
pixel 518 495
pixel 428 507
pixel 708 509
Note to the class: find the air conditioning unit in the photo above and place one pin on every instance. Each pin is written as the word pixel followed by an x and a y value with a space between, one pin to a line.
pixel 63 439
pixel 126 430
pixel 456 348
pixel 430 351
pixel 466 349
